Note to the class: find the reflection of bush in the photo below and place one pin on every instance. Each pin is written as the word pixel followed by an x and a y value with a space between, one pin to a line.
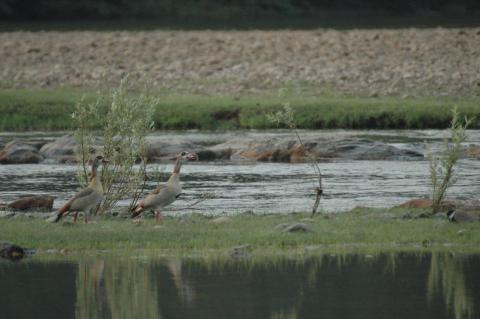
pixel 325 285
pixel 448 276
pixel 114 289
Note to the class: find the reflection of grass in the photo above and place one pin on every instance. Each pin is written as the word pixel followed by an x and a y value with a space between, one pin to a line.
pixel 113 289
pixel 51 109
pixel 198 234
pixel 447 275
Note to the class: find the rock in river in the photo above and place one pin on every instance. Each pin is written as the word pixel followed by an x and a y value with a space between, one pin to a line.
pixel 17 152
pixel 289 150
pixel 40 202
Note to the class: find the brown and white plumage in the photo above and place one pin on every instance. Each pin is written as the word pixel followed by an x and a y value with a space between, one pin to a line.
pixel 87 198
pixel 166 194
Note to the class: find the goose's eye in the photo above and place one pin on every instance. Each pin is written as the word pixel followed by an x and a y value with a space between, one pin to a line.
pixel 183 153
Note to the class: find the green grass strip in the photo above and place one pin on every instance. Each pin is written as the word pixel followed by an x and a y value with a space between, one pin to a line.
pixel 33 110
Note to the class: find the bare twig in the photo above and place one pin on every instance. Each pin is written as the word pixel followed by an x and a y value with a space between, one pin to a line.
pixel 285 117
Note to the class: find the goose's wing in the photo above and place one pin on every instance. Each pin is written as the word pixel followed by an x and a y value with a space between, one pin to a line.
pixel 84 193
pixel 79 197
pixel 161 196
pixel 158 190
pixel 87 191
pixel 86 198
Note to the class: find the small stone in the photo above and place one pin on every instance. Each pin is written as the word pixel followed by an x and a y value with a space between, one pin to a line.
pixel 308 220
pixel 281 226
pixel 158 227
pixel 240 251
pixel 11 251
pixel 298 227
pixel 220 220
pixel 6 214
pixel 461 232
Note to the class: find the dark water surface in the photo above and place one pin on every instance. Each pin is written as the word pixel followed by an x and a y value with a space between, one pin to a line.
pixel 427 285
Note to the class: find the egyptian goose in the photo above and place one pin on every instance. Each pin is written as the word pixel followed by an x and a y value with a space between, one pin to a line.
pixel 87 198
pixel 166 194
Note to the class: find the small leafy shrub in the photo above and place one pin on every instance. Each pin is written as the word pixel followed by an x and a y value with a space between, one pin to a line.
pixel 125 120
pixel 442 164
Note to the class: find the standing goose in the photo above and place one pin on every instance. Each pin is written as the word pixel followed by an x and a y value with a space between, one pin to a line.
pixel 166 194
pixel 87 198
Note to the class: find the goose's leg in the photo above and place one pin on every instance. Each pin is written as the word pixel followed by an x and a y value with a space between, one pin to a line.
pixel 158 216
pixel 75 215
pixel 87 215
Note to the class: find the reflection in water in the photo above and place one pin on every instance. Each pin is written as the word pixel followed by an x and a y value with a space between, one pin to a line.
pixel 447 274
pixel 330 286
pixel 112 289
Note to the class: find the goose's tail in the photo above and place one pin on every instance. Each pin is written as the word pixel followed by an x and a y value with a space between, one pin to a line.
pixel 137 210
pixel 65 208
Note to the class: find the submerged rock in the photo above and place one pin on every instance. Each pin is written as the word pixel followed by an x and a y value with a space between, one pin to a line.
pixel 17 152
pixel 473 151
pixel 40 202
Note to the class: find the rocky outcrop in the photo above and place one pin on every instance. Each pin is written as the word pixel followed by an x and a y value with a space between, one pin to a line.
pixel 61 147
pixel 40 202
pixel 263 149
pixel 281 150
pixel 166 150
pixel 17 152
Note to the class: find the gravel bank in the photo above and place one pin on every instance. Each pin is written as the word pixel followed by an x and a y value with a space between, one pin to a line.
pixel 404 62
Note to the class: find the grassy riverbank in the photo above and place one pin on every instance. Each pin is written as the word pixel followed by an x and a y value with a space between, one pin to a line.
pixel 361 230
pixel 25 110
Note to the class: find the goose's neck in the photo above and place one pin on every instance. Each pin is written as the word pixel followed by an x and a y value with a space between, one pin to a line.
pixel 177 167
pixel 96 182
pixel 175 177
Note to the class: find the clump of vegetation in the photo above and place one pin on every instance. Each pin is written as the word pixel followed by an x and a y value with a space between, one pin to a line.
pixel 125 121
pixel 442 164
pixel 286 117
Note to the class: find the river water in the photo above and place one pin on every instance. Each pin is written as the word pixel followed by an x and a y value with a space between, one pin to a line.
pixel 387 285
pixel 271 187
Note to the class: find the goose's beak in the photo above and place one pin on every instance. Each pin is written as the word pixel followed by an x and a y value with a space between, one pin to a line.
pixel 192 157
